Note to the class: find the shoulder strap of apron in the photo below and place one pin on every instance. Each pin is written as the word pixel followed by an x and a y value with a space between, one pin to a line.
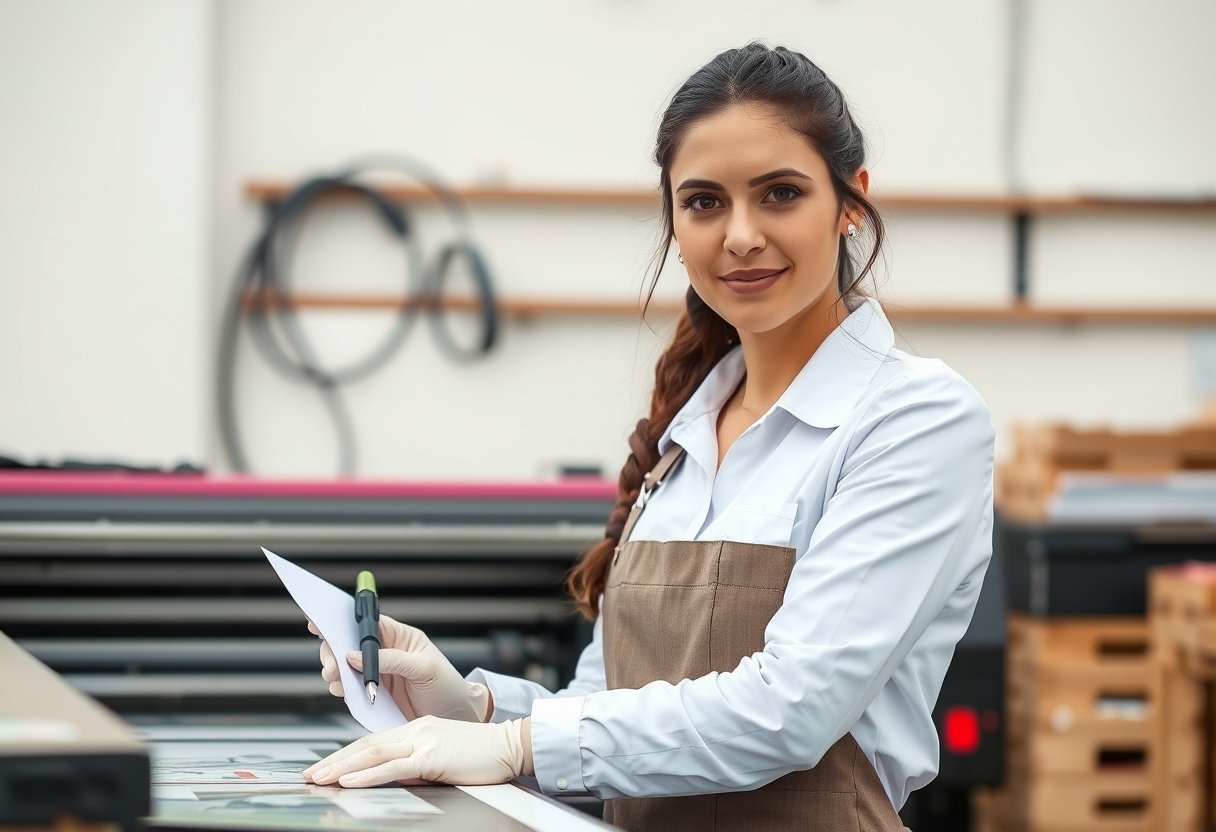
pixel 651 482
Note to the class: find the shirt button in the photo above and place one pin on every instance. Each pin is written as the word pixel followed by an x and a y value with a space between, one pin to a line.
pixel 562 784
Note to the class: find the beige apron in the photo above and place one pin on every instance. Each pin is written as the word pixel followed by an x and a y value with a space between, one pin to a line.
pixel 681 609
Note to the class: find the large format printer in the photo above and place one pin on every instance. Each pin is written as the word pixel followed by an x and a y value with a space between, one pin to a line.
pixel 149 591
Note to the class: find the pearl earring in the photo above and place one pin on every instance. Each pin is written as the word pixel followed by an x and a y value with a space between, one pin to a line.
pixel 680 257
pixel 852 231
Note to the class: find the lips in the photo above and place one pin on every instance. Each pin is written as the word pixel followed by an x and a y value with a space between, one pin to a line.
pixel 751 274
pixel 752 281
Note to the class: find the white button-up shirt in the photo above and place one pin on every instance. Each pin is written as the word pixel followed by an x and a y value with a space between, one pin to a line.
pixel 876 467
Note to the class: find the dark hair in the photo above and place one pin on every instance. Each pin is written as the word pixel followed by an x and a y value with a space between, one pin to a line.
pixel 813 106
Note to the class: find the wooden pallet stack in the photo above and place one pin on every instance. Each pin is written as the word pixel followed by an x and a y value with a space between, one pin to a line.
pixel 1089 742
pixel 1080 733
pixel 1182 613
pixel 1029 477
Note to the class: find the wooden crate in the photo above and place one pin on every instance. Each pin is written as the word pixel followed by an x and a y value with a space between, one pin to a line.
pixel 1182 605
pixel 1180 778
pixel 1113 803
pixel 1115 749
pixel 1112 641
pixel 1189 447
pixel 1025 482
pixel 1081 744
pixel 1082 698
pixel 1182 611
pixel 1022 488
pixel 1078 673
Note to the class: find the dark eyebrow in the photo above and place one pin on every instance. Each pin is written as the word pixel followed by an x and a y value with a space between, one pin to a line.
pixel 751 183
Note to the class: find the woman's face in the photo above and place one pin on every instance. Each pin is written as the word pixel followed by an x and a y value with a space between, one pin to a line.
pixel 750 197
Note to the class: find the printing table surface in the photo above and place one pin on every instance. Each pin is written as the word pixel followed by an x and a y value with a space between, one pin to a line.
pixel 195 755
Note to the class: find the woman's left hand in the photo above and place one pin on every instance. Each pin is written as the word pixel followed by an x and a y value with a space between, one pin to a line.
pixel 431 749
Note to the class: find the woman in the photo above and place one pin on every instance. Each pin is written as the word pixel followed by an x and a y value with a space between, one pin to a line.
pixel 801 530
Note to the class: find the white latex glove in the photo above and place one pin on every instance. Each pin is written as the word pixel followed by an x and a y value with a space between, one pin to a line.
pixel 431 750
pixel 415 673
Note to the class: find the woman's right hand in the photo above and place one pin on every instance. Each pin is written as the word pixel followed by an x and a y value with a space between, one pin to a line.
pixel 415 673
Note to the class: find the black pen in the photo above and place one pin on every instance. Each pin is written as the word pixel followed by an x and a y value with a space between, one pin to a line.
pixel 367 614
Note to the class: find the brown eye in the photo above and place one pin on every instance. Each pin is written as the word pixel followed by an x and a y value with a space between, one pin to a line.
pixel 791 192
pixel 698 202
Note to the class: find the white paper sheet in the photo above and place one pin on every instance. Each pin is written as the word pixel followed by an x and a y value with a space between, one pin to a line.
pixel 384 803
pixel 186 763
pixel 333 611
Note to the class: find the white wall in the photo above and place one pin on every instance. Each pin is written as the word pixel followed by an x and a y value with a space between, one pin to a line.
pixel 553 93
pixel 105 243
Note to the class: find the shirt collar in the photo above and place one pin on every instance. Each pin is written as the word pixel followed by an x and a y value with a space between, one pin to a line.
pixel 824 391
pixel 833 381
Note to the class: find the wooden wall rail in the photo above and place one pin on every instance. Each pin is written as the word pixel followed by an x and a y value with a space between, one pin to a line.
pixel 270 190
pixel 1019 311
pixel 994 314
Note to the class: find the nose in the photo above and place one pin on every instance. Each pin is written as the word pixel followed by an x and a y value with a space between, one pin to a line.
pixel 743 235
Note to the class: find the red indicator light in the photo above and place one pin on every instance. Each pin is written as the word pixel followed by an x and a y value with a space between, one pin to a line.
pixel 961 730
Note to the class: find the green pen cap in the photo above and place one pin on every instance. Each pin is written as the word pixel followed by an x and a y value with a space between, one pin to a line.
pixel 366 580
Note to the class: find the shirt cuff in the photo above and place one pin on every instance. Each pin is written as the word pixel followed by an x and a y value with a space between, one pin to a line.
pixel 556 753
